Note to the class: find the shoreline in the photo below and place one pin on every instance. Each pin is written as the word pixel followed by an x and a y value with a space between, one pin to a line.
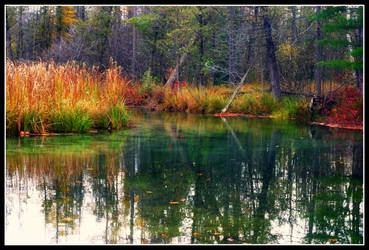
pixel 242 115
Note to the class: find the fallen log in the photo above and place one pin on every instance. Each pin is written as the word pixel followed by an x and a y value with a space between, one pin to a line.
pixel 236 90
pixel 336 125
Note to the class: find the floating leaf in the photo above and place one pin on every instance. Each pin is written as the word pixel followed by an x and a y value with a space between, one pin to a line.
pixel 173 202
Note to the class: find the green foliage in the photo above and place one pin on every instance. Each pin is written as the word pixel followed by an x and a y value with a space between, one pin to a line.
pixel 144 22
pixel 292 107
pixel 148 83
pixel 71 120
pixel 334 42
pixel 337 22
pixel 32 122
pixel 117 117
pixel 342 64
pixel 330 12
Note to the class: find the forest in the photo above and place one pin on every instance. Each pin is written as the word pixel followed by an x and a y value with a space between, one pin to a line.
pixel 86 64
pixel 184 124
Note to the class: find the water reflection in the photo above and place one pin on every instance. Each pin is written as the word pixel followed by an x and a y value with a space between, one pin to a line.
pixel 184 179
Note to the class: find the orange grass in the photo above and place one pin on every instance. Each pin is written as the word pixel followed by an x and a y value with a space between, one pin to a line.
pixel 45 88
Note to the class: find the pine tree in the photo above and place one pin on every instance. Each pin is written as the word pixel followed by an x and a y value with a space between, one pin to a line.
pixel 345 27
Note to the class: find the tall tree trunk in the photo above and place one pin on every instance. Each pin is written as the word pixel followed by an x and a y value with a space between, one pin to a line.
pixel 8 38
pixel 293 23
pixel 198 75
pixel 133 65
pixel 319 57
pixel 59 22
pixel 231 59
pixel 359 72
pixel 82 13
pixel 250 47
pixel 153 55
pixel 271 58
pixel 20 34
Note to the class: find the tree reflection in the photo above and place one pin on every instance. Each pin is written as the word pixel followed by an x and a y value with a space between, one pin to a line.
pixel 201 180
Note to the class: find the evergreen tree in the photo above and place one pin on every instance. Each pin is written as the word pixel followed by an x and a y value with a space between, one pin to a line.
pixel 344 25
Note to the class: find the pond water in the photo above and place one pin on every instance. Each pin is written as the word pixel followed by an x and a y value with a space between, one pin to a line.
pixel 187 179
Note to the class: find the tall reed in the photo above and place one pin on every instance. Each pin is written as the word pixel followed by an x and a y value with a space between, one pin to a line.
pixel 45 96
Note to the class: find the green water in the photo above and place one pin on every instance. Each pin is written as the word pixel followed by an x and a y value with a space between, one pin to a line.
pixel 187 179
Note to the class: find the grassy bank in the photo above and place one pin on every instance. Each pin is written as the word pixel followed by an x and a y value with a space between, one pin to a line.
pixel 45 97
pixel 252 100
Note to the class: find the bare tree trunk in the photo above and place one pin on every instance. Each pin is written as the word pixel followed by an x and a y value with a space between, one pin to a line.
pixel 236 90
pixel 319 57
pixel 272 62
pixel 183 58
pixel 8 38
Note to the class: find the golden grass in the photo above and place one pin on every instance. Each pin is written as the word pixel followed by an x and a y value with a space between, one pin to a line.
pixel 46 88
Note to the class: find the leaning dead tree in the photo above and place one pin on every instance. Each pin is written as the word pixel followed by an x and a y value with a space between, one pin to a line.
pixel 236 90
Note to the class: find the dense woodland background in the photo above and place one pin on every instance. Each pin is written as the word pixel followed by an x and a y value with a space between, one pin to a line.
pixel 289 47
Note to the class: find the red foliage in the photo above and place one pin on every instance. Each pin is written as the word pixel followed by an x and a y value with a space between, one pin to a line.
pixel 348 109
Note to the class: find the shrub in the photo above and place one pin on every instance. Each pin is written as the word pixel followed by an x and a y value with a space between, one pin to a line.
pixel 292 107
pixel 348 108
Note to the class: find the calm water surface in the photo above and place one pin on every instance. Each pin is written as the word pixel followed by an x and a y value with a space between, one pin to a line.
pixel 187 179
